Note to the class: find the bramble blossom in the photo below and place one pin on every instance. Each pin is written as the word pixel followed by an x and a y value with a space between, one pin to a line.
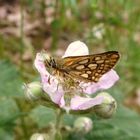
pixel 56 92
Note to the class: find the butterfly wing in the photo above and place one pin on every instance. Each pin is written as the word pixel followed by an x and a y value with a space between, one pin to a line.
pixel 90 68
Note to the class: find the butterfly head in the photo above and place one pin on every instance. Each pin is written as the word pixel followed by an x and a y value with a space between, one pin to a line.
pixel 49 61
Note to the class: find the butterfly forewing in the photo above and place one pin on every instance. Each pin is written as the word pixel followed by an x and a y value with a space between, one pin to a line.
pixel 90 68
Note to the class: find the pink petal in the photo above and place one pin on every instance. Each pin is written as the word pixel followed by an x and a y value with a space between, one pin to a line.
pixel 49 82
pixel 76 48
pixel 105 82
pixel 39 64
pixel 53 89
pixel 83 103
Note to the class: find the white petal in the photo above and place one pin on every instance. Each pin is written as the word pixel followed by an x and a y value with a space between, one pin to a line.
pixel 83 103
pixel 76 48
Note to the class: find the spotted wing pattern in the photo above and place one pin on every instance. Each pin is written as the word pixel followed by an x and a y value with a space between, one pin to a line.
pixel 90 68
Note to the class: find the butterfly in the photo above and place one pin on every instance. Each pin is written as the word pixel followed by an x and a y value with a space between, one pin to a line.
pixel 86 68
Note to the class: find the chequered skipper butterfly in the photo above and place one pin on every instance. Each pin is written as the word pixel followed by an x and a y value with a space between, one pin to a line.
pixel 86 68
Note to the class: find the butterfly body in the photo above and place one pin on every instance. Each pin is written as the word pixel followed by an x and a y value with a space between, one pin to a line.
pixel 86 68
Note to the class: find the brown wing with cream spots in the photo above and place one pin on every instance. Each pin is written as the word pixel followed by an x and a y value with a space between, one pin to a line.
pixel 90 68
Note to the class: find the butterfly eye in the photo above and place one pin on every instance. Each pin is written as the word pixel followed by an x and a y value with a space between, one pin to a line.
pixel 52 63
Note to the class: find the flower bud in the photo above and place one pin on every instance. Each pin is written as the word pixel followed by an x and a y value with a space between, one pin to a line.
pixel 83 125
pixel 33 91
pixel 108 107
pixel 38 136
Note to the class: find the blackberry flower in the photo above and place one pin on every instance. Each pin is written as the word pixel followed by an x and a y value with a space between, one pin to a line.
pixel 73 100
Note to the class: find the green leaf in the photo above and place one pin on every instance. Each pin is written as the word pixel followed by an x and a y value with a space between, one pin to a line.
pixel 42 116
pixel 124 125
pixel 10 81
pixel 8 115
pixel 9 112
pixel 5 135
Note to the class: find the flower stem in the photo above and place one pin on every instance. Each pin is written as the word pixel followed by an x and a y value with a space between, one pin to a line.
pixel 58 135
pixel 21 28
pixel 22 120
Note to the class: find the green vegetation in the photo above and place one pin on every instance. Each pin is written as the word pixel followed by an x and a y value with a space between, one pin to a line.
pixel 32 26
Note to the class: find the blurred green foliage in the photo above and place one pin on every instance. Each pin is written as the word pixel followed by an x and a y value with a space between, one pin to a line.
pixel 120 21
